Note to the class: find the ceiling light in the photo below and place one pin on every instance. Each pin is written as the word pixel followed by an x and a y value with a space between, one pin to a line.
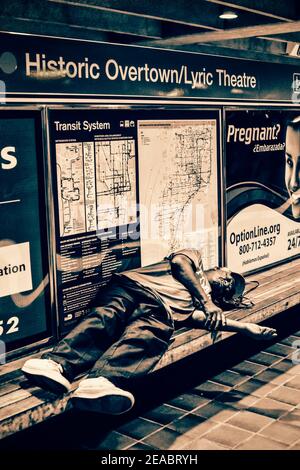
pixel 228 15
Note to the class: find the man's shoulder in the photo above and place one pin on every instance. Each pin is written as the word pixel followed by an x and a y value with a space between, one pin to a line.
pixel 193 253
pixel 179 251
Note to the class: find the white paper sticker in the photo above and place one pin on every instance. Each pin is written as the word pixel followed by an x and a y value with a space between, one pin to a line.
pixel 15 269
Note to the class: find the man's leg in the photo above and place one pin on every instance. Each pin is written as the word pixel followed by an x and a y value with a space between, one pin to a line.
pixel 79 350
pixel 140 347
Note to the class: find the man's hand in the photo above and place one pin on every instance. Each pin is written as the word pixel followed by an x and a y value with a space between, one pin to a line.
pixel 215 317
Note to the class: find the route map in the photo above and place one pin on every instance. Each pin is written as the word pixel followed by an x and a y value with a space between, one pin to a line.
pixel 70 188
pixel 115 172
pixel 96 185
pixel 178 187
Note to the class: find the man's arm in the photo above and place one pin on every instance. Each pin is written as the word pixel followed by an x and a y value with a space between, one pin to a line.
pixel 183 271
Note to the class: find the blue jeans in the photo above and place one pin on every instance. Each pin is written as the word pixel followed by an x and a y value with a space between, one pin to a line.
pixel 120 339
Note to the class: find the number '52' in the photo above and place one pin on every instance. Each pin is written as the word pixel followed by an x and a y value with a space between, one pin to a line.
pixel 12 324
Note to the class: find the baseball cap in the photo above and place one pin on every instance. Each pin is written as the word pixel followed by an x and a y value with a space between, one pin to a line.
pixel 234 296
pixel 238 286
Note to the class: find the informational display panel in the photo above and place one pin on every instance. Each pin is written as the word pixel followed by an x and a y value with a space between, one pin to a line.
pixel 94 156
pixel 179 186
pixel 263 187
pixel 24 292
pixel 130 186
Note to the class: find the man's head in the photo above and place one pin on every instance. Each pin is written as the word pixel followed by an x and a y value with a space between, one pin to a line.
pixel 292 164
pixel 227 286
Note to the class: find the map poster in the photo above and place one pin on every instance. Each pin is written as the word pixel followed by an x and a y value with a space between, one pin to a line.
pixel 263 187
pixel 94 156
pixel 24 277
pixel 179 182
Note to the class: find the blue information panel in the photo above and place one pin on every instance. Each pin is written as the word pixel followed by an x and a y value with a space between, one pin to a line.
pixel 24 278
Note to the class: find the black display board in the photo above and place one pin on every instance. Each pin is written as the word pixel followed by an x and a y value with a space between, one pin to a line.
pixel 263 187
pixel 59 67
pixel 128 187
pixel 24 276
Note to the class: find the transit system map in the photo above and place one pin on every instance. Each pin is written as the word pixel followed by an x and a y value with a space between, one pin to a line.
pixel 96 185
pixel 178 187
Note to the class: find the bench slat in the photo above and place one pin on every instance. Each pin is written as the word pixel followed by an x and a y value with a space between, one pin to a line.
pixel 291 265
pixel 8 387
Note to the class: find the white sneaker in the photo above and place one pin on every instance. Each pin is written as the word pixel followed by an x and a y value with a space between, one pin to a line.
pixel 100 395
pixel 46 374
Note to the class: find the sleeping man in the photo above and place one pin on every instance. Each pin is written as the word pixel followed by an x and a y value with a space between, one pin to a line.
pixel 130 329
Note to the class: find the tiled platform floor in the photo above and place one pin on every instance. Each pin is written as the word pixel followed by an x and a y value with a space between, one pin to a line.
pixel 248 399
pixel 253 405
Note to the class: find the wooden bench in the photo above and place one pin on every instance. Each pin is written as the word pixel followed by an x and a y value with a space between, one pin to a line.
pixel 22 405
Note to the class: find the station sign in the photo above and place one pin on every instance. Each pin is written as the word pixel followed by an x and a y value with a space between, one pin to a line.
pixel 40 67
